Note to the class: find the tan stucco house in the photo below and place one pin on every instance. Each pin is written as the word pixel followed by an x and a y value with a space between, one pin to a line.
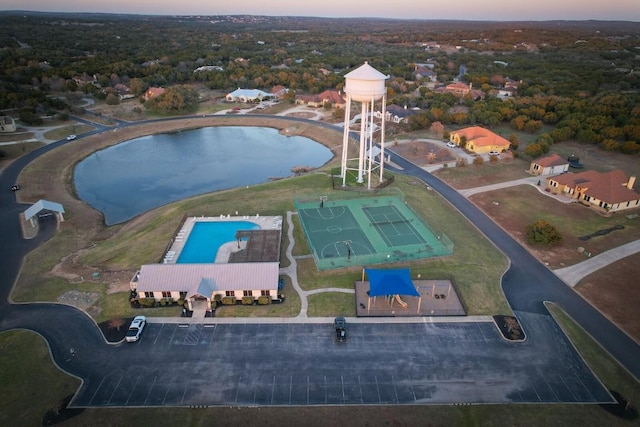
pixel 479 140
pixel 608 191
pixel 552 164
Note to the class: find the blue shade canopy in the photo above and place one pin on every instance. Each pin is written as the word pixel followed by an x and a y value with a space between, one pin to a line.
pixel 390 282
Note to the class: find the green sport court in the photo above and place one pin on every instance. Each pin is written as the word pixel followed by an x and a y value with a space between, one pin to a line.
pixel 365 231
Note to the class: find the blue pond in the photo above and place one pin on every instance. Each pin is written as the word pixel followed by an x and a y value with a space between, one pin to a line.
pixel 136 176
pixel 206 238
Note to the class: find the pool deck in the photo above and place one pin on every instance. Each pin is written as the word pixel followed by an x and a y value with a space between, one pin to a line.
pixel 225 251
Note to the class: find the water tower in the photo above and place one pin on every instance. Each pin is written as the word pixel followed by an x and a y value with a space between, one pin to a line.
pixel 365 85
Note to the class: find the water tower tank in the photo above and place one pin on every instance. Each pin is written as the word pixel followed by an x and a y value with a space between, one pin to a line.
pixel 365 83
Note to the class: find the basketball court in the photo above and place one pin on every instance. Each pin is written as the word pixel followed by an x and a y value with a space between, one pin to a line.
pixel 367 231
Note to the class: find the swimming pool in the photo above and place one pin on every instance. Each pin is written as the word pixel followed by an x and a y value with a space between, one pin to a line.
pixel 206 238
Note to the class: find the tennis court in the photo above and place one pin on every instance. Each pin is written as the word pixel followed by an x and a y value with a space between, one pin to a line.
pixel 365 231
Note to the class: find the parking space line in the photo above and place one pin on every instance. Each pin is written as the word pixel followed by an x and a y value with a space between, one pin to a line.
pixel 184 392
pixel 568 388
pixel 395 390
pixel 377 389
pixel 290 387
pixel 237 389
pixel 132 390
pixel 360 388
pixel 273 388
pixel 167 392
pixel 96 392
pixel 159 333
pixel 325 389
pixel 114 389
pixel 155 377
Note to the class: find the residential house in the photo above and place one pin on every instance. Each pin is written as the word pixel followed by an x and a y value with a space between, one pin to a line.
pixel 208 68
pixel 461 89
pixel 85 79
pixel 608 191
pixel 548 165
pixel 398 114
pixel 330 97
pixel 422 72
pixel 191 282
pixel 248 95
pixel 479 140
pixel 7 124
pixel 279 91
pixel 152 92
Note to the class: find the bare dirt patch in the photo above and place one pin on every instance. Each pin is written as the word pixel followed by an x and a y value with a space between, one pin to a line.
pixel 615 291
pixel 423 153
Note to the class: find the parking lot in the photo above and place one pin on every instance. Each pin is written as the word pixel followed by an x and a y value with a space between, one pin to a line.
pixel 302 364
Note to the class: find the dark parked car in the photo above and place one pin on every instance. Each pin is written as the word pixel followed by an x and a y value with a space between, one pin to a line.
pixel 15 187
pixel 341 329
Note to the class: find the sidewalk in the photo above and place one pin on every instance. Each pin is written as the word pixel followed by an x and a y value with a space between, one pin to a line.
pixel 292 271
pixel 573 274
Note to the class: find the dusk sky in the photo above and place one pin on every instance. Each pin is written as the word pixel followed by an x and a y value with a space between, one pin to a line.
pixel 514 10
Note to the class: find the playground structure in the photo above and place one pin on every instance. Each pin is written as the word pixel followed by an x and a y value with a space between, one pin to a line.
pixel 397 299
pixel 365 85
pixel 393 293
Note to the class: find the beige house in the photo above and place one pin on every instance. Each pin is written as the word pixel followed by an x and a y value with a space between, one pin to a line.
pixel 7 124
pixel 548 165
pixel 479 140
pixel 604 191
pixel 331 98
pixel 191 282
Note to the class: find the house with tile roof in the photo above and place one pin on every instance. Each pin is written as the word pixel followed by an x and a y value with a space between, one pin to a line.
pixel 460 89
pixel 608 191
pixel 153 92
pixel 552 164
pixel 479 140
pixel 330 97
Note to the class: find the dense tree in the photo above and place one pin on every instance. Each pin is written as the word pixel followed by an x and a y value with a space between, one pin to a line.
pixel 542 233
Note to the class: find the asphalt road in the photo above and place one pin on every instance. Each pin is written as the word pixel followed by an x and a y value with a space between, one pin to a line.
pixel 528 283
pixel 281 364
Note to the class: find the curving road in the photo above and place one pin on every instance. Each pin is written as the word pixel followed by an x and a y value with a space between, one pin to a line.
pixel 526 284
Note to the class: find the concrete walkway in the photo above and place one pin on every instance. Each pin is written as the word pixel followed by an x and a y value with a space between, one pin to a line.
pixel 573 274
pixel 302 317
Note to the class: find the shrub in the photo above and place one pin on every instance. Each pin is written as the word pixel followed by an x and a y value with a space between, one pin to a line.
pixel 217 297
pixel 247 300
pixel 461 162
pixel 541 233
pixel 181 302
pixel 264 300
pixel 147 302
pixel 228 300
pixel 478 161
